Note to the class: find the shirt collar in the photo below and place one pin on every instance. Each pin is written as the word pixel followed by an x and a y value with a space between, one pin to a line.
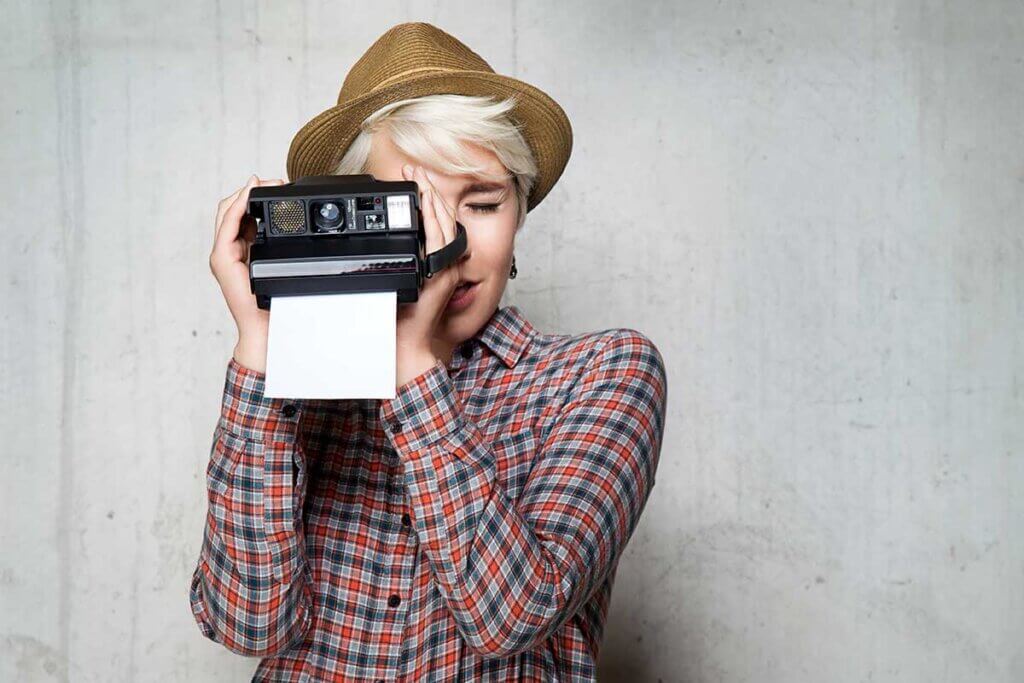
pixel 507 334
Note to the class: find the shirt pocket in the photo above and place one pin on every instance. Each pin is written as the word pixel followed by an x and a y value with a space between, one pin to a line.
pixel 235 485
pixel 281 480
pixel 514 455
pixel 227 451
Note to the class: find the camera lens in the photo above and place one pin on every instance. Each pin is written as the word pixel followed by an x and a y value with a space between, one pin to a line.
pixel 328 217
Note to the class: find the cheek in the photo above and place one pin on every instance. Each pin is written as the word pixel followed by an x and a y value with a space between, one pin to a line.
pixel 489 250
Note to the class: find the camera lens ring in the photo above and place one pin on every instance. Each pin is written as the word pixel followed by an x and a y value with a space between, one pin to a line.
pixel 328 216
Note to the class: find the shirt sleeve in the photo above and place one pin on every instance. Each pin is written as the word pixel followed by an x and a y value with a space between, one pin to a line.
pixel 251 590
pixel 512 572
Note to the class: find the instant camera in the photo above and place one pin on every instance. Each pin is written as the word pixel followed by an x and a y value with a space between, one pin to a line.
pixel 335 234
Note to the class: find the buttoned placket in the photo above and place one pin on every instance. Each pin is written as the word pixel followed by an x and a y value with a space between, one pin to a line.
pixel 396 597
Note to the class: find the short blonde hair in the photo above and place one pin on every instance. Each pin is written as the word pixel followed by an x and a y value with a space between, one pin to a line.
pixel 430 129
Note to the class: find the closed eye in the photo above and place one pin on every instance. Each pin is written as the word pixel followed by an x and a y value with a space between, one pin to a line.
pixel 484 208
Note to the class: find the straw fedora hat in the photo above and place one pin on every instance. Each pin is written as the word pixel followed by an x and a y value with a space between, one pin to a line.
pixel 416 59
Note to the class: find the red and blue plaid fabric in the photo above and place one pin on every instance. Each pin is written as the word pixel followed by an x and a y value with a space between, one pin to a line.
pixel 468 529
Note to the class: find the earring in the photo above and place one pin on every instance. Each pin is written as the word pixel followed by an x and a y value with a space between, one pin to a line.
pixel 512 274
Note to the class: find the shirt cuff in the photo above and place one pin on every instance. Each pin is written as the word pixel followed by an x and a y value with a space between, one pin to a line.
pixel 247 413
pixel 423 411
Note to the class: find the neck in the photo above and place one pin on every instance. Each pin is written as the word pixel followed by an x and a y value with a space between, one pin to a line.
pixel 443 351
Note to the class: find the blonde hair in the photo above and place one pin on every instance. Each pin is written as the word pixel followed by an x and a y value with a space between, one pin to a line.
pixel 430 129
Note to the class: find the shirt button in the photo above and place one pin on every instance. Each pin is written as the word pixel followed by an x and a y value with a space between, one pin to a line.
pixel 396 427
pixel 288 410
pixel 394 600
pixel 406 519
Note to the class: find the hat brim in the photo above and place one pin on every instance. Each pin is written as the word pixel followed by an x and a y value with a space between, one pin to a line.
pixel 321 143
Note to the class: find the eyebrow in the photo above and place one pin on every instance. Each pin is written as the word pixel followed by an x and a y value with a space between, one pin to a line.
pixel 480 187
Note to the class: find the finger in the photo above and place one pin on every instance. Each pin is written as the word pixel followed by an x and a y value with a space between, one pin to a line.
pixel 444 220
pixel 409 173
pixel 445 215
pixel 247 224
pixel 435 238
pixel 446 223
pixel 412 173
pixel 222 206
pixel 232 218
pixel 445 206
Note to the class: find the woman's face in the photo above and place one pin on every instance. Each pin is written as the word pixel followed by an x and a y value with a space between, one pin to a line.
pixel 488 211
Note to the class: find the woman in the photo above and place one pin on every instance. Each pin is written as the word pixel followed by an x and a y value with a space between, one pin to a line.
pixel 470 527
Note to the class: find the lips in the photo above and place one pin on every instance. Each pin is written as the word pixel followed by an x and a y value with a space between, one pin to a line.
pixel 462 296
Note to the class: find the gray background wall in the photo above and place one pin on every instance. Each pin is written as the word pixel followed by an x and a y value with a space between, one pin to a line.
pixel 825 245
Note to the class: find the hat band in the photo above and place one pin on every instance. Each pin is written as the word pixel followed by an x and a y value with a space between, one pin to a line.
pixel 407 72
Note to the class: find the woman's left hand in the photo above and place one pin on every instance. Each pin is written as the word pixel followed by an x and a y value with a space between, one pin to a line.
pixel 418 321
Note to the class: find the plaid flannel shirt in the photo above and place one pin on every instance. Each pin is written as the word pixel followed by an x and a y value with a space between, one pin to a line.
pixel 468 529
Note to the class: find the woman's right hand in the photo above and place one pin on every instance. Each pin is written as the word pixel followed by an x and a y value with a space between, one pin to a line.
pixel 229 265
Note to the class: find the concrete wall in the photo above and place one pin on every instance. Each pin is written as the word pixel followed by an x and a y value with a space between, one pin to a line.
pixel 825 242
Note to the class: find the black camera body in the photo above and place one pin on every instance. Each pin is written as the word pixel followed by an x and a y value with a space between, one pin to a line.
pixel 332 234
